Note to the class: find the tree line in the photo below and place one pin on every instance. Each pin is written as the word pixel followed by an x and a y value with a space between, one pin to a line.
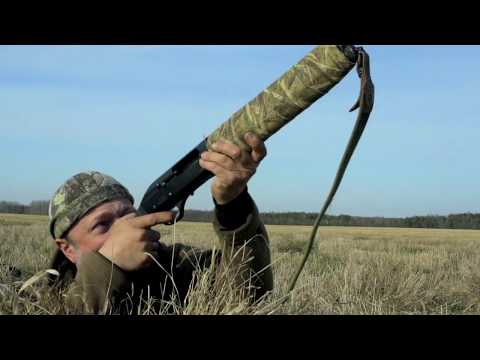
pixel 453 221
pixel 38 207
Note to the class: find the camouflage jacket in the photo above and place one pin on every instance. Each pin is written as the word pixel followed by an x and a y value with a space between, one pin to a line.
pixel 98 286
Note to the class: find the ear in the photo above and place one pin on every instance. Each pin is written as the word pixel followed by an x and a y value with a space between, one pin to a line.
pixel 68 250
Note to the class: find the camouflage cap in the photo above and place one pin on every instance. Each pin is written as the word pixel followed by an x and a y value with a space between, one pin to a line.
pixel 80 194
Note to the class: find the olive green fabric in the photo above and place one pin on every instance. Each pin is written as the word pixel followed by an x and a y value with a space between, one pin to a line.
pixel 80 194
pixel 101 287
pixel 316 74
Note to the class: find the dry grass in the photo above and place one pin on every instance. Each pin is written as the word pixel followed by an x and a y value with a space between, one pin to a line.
pixel 351 271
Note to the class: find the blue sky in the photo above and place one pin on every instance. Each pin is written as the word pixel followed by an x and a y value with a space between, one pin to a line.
pixel 132 111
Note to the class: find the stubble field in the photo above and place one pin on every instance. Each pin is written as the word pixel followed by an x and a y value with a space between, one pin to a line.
pixel 350 271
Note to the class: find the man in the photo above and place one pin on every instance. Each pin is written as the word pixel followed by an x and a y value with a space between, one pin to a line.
pixel 109 257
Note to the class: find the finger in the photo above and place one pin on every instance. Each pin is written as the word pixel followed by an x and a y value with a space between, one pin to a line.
pixel 221 159
pixel 129 216
pixel 214 168
pixel 231 150
pixel 226 176
pixel 259 151
pixel 149 220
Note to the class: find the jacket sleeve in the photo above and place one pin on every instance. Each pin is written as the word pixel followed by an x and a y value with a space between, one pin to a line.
pixel 99 286
pixel 246 249
pixel 244 254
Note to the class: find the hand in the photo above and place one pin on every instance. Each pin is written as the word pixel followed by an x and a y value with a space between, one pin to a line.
pixel 130 237
pixel 232 166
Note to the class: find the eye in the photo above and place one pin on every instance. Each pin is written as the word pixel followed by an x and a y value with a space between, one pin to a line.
pixel 102 226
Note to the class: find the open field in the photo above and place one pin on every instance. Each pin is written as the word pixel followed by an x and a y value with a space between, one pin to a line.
pixel 351 270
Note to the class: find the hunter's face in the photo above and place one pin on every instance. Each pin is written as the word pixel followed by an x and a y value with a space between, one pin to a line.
pixel 91 232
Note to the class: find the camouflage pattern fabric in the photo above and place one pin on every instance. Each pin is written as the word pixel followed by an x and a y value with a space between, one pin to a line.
pixel 80 194
pixel 317 73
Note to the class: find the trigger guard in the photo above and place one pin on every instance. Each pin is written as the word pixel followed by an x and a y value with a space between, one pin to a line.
pixel 181 210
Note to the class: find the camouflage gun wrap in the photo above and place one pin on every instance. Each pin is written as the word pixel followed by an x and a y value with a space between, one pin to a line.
pixel 302 85
pixel 311 78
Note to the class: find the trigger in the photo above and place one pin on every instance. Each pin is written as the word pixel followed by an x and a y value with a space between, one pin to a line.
pixel 181 209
